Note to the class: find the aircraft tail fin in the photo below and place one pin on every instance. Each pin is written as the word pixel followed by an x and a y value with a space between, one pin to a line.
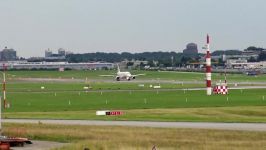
pixel 118 69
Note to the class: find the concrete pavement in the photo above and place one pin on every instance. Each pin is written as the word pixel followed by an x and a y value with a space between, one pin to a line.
pixel 192 125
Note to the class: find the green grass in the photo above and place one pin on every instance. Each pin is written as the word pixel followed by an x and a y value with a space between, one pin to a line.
pixel 68 100
pixel 207 114
pixel 24 102
pixel 29 101
pixel 55 86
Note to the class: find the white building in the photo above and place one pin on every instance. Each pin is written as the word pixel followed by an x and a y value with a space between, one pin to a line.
pixel 243 64
pixel 56 65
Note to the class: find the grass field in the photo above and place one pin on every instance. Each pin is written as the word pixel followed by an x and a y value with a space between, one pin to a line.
pixel 60 86
pixel 75 101
pixel 142 105
pixel 68 100
pixel 208 114
pixel 132 138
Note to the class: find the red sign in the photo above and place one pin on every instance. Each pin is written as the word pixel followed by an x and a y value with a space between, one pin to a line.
pixel 114 113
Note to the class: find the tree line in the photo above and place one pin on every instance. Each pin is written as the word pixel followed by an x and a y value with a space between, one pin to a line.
pixel 165 58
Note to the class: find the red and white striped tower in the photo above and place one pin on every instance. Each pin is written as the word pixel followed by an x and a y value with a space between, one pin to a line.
pixel 208 68
pixel 4 84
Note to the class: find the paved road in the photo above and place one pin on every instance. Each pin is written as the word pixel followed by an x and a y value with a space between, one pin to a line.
pixel 193 125
pixel 40 145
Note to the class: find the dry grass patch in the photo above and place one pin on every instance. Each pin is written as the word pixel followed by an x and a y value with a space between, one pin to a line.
pixel 118 138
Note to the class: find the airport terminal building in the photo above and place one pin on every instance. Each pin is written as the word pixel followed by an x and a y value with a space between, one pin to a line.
pixel 24 65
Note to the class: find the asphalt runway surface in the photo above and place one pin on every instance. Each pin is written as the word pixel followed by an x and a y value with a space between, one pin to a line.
pixel 27 80
pixel 191 125
pixel 134 90
pixel 40 145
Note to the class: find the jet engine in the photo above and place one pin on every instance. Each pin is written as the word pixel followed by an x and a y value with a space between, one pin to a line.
pixel 117 78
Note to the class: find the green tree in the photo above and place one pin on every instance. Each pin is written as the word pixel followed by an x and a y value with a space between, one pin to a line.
pixel 262 56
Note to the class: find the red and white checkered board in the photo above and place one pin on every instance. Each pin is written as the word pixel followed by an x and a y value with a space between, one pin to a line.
pixel 220 89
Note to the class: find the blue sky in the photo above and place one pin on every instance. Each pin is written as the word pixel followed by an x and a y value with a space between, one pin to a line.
pixel 31 26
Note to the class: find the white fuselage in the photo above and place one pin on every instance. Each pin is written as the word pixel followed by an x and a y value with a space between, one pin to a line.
pixel 124 76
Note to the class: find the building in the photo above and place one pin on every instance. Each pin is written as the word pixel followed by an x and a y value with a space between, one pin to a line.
pixel 191 49
pixel 243 64
pixel 61 52
pixel 8 54
pixel 57 65
pixel 236 63
pixel 48 53
pixel 60 56
pixel 126 64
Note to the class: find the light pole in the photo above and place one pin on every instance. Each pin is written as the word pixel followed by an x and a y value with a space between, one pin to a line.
pixel 0 116
pixel 4 84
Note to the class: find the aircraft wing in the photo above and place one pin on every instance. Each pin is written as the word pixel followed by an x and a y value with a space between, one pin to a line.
pixel 138 75
pixel 106 75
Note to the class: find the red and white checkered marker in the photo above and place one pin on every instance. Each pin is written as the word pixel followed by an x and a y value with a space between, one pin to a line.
pixel 220 89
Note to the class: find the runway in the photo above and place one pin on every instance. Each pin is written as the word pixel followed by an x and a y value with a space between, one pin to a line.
pixel 135 90
pixel 69 80
pixel 192 125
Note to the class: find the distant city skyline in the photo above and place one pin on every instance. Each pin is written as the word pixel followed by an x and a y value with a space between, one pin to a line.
pixel 83 26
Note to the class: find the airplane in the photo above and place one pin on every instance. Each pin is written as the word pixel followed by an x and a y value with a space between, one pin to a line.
pixel 123 75
pixel 252 73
